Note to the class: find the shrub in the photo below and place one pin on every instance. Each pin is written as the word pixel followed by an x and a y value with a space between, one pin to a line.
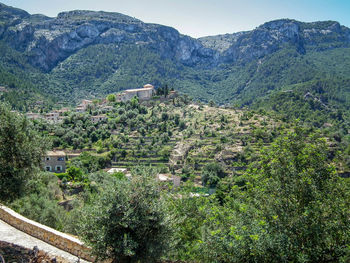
pixel 128 222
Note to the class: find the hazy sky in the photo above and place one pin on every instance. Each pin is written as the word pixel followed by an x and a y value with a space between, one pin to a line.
pixel 201 17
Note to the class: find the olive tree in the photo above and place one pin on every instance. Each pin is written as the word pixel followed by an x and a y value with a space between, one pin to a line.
pixel 212 173
pixel 128 222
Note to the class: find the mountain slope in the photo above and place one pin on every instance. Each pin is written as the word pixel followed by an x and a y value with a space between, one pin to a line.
pixel 90 54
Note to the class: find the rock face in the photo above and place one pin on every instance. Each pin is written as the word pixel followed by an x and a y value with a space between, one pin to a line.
pixel 271 36
pixel 47 41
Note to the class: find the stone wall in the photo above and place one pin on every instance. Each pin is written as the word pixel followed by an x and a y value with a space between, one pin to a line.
pixel 51 236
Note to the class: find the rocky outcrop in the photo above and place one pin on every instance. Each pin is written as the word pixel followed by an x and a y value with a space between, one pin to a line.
pixel 274 35
pixel 47 41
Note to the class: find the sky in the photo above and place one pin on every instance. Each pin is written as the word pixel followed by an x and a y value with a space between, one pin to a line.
pixel 199 18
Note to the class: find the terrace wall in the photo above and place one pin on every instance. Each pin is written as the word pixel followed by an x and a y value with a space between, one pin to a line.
pixel 51 236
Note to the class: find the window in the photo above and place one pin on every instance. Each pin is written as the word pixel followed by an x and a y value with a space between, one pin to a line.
pixel 48 168
pixel 60 159
pixel 58 168
pixel 48 158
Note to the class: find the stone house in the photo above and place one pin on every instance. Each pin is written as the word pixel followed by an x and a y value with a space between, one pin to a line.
pixel 62 111
pixel 144 93
pixel 98 118
pixel 175 180
pixel 80 108
pixel 83 105
pixel 55 161
pixel 86 102
pixel 52 116
pixel 33 116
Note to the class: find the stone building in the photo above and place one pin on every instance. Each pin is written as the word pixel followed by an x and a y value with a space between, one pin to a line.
pixel 144 93
pixel 55 161
pixel 33 116
pixel 62 111
pixel 52 116
pixel 82 107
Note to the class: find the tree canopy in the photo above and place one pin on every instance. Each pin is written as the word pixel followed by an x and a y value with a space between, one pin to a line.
pixel 293 207
pixel 128 221
pixel 21 152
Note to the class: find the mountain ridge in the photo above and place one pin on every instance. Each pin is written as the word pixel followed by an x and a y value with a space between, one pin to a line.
pixel 49 41
pixel 93 53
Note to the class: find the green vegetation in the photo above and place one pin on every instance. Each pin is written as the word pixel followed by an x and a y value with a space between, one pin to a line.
pixel 107 69
pixel 292 207
pixel 278 195
pixel 212 173
pixel 128 222
pixel 21 151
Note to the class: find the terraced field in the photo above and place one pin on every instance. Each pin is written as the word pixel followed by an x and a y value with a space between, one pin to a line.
pixel 211 134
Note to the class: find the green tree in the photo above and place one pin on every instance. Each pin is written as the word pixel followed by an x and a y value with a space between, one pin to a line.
pixel 290 206
pixel 75 174
pixel 21 153
pixel 212 173
pixel 111 98
pixel 40 202
pixel 128 222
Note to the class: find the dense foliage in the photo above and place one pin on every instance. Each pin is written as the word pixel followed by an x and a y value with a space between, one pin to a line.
pixel 128 221
pixel 292 208
pixel 21 151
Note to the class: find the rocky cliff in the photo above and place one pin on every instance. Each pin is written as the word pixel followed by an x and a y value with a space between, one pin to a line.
pixel 271 36
pixel 47 41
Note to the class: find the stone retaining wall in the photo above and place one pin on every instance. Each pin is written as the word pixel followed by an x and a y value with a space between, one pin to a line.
pixel 51 236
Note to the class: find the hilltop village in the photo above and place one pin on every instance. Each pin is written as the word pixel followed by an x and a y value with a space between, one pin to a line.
pixel 149 126
pixel 97 111
pixel 103 105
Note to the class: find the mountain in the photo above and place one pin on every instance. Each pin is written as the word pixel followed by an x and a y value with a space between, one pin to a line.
pixel 89 54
